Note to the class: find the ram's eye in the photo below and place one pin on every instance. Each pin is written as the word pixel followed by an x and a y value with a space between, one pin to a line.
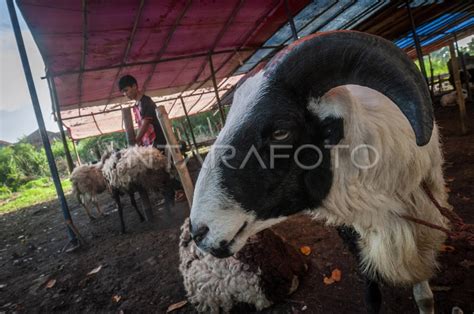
pixel 280 135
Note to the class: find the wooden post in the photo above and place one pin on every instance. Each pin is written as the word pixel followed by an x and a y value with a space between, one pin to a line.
pixel 128 123
pixel 464 69
pixel 431 76
pixel 457 84
pixel 178 159
pixel 440 84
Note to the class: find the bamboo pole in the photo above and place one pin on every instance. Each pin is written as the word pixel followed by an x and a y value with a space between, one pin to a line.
pixel 128 123
pixel 457 84
pixel 178 158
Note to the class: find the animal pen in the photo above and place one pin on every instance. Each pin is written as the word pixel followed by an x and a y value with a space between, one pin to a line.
pixel 190 56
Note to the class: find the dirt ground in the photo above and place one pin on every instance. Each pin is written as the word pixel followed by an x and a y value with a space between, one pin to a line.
pixel 139 270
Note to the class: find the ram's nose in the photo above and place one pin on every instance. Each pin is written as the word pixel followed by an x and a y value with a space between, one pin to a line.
pixel 198 233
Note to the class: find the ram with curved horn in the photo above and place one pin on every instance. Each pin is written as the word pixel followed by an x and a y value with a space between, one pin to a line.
pixel 338 125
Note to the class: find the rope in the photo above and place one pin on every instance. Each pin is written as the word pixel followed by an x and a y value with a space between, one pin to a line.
pixel 460 230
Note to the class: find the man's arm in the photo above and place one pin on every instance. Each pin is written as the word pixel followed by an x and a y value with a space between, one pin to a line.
pixel 146 123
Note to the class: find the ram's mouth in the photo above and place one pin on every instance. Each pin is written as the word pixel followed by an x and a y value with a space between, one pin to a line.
pixel 224 249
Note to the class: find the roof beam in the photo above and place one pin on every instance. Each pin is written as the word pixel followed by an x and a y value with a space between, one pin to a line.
pixel 190 56
pixel 127 50
pixel 166 43
pixel 156 102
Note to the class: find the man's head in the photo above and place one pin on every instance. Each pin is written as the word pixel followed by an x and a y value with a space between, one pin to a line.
pixel 129 87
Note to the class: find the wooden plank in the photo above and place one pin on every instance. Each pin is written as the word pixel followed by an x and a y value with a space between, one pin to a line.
pixel 128 123
pixel 178 158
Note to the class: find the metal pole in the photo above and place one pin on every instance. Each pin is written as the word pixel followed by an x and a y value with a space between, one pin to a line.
pixel 457 85
pixel 79 162
pixel 210 126
pixel 291 21
pixel 72 231
pixel 216 90
pixel 419 52
pixel 54 100
pixel 188 138
pixel 464 69
pixel 190 128
pixel 431 75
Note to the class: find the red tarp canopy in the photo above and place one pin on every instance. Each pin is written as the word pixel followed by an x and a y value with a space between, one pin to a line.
pixel 88 45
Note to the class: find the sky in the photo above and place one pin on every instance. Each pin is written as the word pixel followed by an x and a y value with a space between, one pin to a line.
pixel 17 117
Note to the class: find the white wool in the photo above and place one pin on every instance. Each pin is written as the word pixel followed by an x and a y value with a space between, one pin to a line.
pixel 87 182
pixel 371 200
pixel 212 283
pixel 451 99
pixel 136 166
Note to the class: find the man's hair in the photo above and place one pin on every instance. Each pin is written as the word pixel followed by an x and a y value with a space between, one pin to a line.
pixel 127 80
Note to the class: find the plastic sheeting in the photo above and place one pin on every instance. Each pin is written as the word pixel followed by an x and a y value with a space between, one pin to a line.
pixel 88 45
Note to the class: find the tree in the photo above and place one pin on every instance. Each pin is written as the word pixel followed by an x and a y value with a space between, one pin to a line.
pixel 20 163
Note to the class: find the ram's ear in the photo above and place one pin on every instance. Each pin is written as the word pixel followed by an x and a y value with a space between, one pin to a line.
pixel 330 111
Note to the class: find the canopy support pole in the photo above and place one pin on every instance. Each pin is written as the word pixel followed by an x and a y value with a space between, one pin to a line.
pixel 79 162
pixel 54 100
pixel 188 140
pixel 457 84
pixel 191 130
pixel 291 21
pixel 216 89
pixel 419 52
pixel 464 69
pixel 71 229
pixel 178 159
pixel 128 123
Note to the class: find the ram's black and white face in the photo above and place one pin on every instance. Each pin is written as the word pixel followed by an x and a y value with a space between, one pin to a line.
pixel 272 159
pixel 268 162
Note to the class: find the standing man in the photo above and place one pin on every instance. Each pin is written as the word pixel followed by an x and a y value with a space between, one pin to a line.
pixel 150 132
pixel 144 110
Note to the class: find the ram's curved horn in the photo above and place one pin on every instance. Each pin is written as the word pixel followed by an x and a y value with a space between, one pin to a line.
pixel 315 64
